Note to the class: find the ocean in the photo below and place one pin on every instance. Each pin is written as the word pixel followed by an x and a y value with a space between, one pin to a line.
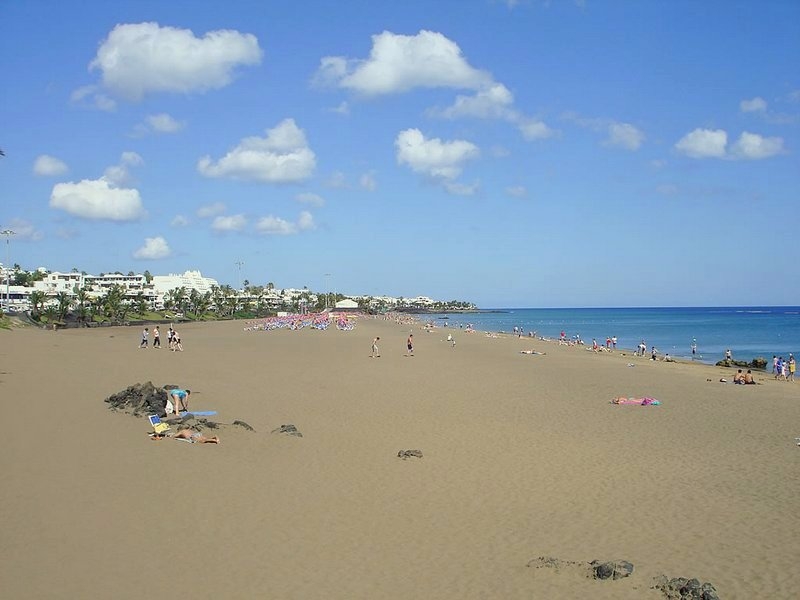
pixel 749 332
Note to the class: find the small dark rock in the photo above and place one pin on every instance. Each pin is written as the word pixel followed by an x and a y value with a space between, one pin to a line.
pixel 288 430
pixel 243 425
pixel 404 454
pixel 616 569
pixel 681 588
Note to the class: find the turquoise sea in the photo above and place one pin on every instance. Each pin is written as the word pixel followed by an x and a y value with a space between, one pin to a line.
pixel 748 331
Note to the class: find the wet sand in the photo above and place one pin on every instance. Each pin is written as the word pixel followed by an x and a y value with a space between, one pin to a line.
pixel 523 457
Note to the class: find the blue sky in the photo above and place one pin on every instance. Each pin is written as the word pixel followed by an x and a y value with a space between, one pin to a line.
pixel 511 153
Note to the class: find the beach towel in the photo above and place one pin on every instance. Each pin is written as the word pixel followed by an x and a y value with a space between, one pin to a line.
pixel 646 401
pixel 199 413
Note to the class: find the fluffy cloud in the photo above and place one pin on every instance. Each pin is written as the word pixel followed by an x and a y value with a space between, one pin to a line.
pixel 282 156
pixel 158 123
pixel 97 199
pixel 49 166
pixel 229 223
pixel 757 104
pixel 211 210
pixel 276 226
pixel 119 175
pixel 624 135
pixel 751 146
pixel 137 59
pixel 493 102
pixel 704 143
pixel 398 63
pixel 433 157
pixel 309 198
pixel 90 96
pixel 153 249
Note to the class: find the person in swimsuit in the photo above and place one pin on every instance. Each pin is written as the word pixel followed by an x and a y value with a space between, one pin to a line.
pixel 410 344
pixel 180 399
pixel 195 437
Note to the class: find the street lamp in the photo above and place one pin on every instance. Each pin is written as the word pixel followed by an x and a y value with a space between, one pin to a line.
pixel 8 233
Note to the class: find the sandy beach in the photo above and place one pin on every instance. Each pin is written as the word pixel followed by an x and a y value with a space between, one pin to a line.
pixel 524 457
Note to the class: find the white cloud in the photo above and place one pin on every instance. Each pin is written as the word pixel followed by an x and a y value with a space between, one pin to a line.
pixel 211 210
pixel 337 180
pixel 154 248
pixel 272 225
pixel 24 230
pixel 460 189
pixel 624 135
pixel 179 221
pixel 305 221
pixel 342 109
pixel 495 102
pixel 757 104
pixel 399 63
pixel 433 157
pixel 703 143
pixel 517 191
pixel 97 199
pixel 89 96
pixel 49 166
pixel 309 198
pixel 533 129
pixel 751 146
pixel 141 58
pixel 229 223
pixel 158 123
pixel 367 182
pixel 119 175
pixel 282 156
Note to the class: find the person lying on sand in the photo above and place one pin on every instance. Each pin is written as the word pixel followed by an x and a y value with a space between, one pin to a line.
pixel 532 352
pixel 195 437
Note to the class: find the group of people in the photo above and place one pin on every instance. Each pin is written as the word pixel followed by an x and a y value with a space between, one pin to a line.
pixel 409 346
pixel 744 378
pixel 173 339
pixel 783 368
pixel 178 402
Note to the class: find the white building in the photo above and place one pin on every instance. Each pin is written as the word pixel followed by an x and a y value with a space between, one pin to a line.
pixel 191 280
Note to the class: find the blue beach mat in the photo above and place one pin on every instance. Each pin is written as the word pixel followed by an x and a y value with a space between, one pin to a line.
pixel 199 413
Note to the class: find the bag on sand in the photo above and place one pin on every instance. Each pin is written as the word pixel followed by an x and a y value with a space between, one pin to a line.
pixel 169 408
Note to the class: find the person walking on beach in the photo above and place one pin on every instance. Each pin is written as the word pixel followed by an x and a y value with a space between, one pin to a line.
pixel 375 352
pixel 614 342
pixel 774 364
pixel 410 344
pixel 791 367
pixel 156 338
pixel 176 345
pixel 143 343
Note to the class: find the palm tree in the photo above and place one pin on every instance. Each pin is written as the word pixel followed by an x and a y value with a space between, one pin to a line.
pixel 64 302
pixel 36 299
pixel 81 301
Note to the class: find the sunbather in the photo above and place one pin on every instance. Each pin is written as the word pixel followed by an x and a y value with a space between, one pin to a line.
pixel 195 437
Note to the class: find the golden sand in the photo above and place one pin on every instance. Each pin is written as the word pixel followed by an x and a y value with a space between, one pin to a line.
pixel 523 457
